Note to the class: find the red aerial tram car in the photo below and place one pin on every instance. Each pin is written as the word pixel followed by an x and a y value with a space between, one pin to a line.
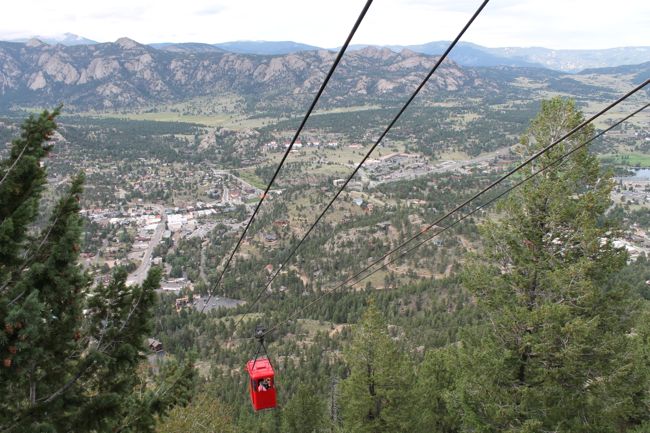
pixel 261 377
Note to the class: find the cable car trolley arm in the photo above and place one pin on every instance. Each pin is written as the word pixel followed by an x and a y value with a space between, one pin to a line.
pixel 261 376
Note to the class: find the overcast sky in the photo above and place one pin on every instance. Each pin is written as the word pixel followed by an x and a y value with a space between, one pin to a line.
pixel 583 24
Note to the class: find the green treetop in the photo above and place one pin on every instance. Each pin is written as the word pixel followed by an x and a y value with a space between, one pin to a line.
pixel 69 352
pixel 376 396
pixel 560 353
pixel 22 180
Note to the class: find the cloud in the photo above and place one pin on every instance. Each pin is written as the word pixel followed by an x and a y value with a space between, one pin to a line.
pixel 550 23
pixel 211 10
pixel 116 14
pixel 455 6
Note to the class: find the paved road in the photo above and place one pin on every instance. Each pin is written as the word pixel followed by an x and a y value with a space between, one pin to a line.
pixel 204 278
pixel 138 276
pixel 225 199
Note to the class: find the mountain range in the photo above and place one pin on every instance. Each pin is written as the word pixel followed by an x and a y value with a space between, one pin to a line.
pixel 127 74
pixel 465 53
pixel 67 39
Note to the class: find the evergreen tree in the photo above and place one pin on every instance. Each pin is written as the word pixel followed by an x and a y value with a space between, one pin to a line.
pixel 22 180
pixel 434 392
pixel 376 396
pixel 70 353
pixel 304 413
pixel 204 414
pixel 558 354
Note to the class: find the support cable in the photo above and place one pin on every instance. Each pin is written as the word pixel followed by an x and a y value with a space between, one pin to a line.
pixel 286 153
pixel 374 146
pixel 475 196
pixel 555 162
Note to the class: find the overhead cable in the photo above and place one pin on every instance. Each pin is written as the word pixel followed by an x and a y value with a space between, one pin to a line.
pixel 478 194
pixel 374 146
pixel 293 141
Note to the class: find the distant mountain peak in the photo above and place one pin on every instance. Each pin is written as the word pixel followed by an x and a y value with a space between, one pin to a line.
pixel 127 43
pixel 72 39
pixel 35 42
pixel 376 52
pixel 67 39
pixel 406 53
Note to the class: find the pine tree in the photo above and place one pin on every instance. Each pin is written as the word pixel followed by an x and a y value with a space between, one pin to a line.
pixel 304 413
pixel 22 180
pixel 204 414
pixel 376 396
pixel 559 353
pixel 434 392
pixel 70 353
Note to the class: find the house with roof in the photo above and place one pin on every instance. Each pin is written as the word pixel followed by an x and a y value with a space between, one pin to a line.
pixel 154 345
pixel 270 237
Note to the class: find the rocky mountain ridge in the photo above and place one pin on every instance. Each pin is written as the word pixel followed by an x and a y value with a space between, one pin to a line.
pixel 465 53
pixel 126 74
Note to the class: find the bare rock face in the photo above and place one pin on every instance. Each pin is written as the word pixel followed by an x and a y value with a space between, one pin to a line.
pixel 37 81
pixel 177 68
pixel 326 56
pixel 56 66
pixel 127 44
pixel 313 82
pixel 411 61
pixel 295 62
pixel 100 68
pixel 208 140
pixel 376 53
pixel 10 73
pixel 109 90
pixel 35 43
pixel 140 64
pixel 384 86
pixel 230 63
pixel 361 87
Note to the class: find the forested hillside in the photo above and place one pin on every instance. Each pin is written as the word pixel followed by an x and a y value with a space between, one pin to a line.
pixel 470 258
pixel 526 318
